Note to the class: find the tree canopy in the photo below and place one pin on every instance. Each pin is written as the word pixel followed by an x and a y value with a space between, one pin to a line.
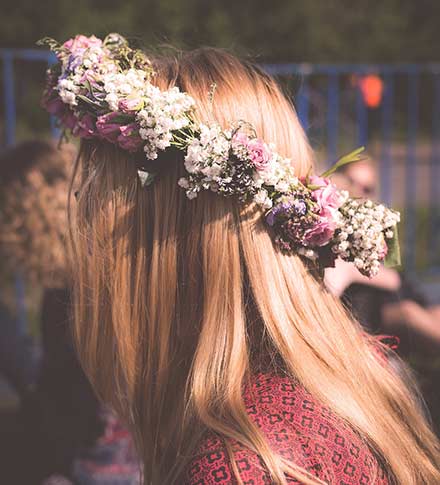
pixel 275 31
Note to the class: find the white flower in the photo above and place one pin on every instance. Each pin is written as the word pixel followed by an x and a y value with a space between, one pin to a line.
pixel 68 97
pixel 267 203
pixel 308 253
pixel 261 197
pixel 183 182
pixel 363 227
pixel 191 194
pixel 113 101
pixel 282 186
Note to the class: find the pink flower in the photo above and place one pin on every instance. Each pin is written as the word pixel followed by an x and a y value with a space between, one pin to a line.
pixel 85 127
pixel 69 120
pixel 239 140
pixel 327 196
pixel 321 233
pixel 129 138
pixel 259 154
pixel 107 128
pixel 81 43
pixel 90 76
pixel 54 106
pixel 128 105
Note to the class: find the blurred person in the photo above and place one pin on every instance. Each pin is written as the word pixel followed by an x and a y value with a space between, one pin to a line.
pixel 195 318
pixel 64 431
pixel 388 302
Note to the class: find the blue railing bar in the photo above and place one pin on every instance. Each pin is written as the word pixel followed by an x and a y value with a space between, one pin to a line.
pixel 387 131
pixel 411 172
pixel 280 69
pixel 435 171
pixel 28 54
pixel 55 130
pixel 307 69
pixel 303 105
pixel 332 118
pixel 9 98
pixel 432 272
pixel 21 304
pixel 362 118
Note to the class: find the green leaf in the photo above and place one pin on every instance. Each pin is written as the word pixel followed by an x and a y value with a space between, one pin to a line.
pixel 49 42
pixel 313 187
pixel 89 87
pixel 392 258
pixel 351 157
pixel 146 178
pixel 88 100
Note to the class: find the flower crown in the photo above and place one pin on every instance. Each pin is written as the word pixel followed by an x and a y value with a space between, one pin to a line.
pixel 103 90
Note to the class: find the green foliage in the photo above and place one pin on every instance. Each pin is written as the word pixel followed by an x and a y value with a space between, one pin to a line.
pixel 276 31
pixel 393 259
pixel 352 157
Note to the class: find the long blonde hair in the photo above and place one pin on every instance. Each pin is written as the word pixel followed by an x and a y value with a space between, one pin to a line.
pixel 172 294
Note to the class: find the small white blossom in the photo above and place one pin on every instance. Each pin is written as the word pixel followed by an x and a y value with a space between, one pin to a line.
pixel 361 236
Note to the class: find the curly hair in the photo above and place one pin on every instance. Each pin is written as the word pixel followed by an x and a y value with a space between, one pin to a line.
pixel 34 182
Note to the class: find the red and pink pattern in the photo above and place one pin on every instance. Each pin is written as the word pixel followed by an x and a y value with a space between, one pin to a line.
pixel 297 427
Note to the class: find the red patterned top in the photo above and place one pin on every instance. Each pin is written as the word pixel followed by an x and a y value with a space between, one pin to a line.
pixel 297 427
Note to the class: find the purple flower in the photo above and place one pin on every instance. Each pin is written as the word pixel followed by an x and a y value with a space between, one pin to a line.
pixel 74 61
pixel 277 210
pixel 129 138
pixel 85 127
pixel 300 207
pixel 107 128
pixel 270 217
pixel 296 207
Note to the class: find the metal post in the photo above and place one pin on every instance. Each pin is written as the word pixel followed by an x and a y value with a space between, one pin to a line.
pixel 332 117
pixel 362 118
pixel 9 97
pixel 411 171
pixel 303 104
pixel 10 129
pixel 435 175
pixel 54 128
pixel 21 304
pixel 387 131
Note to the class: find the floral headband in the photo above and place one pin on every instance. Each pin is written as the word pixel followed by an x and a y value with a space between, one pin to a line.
pixel 102 90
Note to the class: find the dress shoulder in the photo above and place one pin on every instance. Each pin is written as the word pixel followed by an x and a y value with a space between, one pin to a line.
pixel 298 428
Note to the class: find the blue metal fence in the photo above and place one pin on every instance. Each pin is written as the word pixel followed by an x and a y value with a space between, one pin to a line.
pixel 407 76
pixel 329 82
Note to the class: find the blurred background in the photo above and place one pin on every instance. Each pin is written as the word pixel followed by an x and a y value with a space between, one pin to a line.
pixel 359 74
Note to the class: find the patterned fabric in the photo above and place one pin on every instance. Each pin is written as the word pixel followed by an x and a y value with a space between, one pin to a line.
pixel 112 460
pixel 299 428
